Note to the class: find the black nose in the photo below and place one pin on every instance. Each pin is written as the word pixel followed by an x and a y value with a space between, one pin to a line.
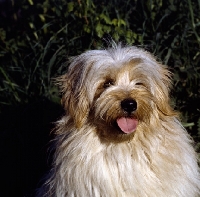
pixel 129 105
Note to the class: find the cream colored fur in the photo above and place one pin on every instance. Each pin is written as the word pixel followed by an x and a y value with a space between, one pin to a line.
pixel 93 158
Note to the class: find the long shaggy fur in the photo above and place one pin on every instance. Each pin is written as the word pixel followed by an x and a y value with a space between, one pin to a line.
pixel 93 157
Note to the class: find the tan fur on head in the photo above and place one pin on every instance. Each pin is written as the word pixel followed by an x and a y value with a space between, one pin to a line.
pixel 120 136
pixel 74 94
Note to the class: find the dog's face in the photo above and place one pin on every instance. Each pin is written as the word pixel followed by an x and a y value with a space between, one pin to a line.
pixel 118 91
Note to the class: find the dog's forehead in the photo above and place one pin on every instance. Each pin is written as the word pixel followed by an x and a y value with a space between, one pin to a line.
pixel 119 69
pixel 97 66
pixel 121 58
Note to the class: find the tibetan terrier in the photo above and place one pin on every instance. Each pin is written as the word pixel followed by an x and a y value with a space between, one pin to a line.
pixel 119 136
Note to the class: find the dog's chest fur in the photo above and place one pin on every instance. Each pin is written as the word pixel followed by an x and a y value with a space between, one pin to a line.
pixel 90 168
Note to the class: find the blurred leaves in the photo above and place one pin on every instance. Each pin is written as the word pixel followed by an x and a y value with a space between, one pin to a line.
pixel 37 37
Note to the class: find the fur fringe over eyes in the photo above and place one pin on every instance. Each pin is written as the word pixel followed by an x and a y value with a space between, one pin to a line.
pixel 120 137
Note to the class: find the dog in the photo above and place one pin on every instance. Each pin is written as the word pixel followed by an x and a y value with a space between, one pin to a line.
pixel 119 136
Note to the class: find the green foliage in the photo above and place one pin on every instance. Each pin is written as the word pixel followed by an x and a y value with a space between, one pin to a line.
pixel 37 37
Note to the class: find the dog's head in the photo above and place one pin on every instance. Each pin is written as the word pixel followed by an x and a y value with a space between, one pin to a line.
pixel 116 90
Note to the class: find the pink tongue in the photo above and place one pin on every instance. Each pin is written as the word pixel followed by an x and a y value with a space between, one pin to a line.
pixel 127 125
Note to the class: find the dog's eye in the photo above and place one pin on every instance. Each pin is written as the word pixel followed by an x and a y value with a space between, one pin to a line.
pixel 108 83
pixel 142 85
pixel 139 84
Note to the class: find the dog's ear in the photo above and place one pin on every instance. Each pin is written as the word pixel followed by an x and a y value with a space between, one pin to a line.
pixel 162 89
pixel 74 94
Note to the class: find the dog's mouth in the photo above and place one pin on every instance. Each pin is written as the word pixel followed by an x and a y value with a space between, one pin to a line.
pixel 127 124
